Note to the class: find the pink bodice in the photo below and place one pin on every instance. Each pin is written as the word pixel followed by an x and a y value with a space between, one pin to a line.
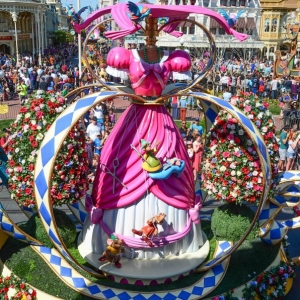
pixel 147 79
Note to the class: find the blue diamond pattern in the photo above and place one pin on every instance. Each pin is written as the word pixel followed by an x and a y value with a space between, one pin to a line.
pixel 170 296
pixel 47 152
pixel 82 216
pixel 19 236
pixel 53 237
pixel 79 283
pixel 218 269
pixel 124 296
pixel 65 272
pixel 197 290
pixel 154 297
pixel 45 250
pixel 139 297
pixel 184 295
pixel 7 227
pixel 224 245
pixel 245 121
pixel 40 183
pixel 211 114
pixel 63 123
pixel 94 289
pixel 275 234
pixel 45 214
pixel 55 260
pixel 84 103
pixel 209 281
pixel 108 293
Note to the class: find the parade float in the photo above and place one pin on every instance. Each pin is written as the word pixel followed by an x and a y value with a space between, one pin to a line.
pixel 285 65
pixel 141 232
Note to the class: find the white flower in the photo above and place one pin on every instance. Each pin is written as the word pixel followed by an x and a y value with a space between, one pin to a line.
pixel 44 122
pixel 260 115
pixel 23 161
pixel 30 158
pixel 232 142
pixel 9 156
pixel 254 173
pixel 39 92
pixel 10 170
pixel 17 150
pixel 33 122
pixel 213 147
pixel 28 182
pixel 232 166
pixel 59 109
pixel 241 132
pixel 264 129
pixel 52 99
pixel 268 113
pixel 223 169
pixel 229 159
pixel 42 105
pixel 27 115
pixel 12 196
pixel 18 117
pixel 26 127
pixel 258 104
pixel 247 101
pixel 38 127
pixel 238 173
pixel 251 164
pixel 20 184
pixel 232 173
pixel 233 194
pixel 39 136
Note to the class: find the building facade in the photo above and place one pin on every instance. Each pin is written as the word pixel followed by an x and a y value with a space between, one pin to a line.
pixel 194 37
pixel 275 15
pixel 26 25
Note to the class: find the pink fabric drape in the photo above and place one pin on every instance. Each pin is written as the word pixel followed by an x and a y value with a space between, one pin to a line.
pixel 153 124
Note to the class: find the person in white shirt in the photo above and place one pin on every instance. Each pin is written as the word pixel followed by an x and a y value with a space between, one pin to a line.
pixel 224 81
pixel 27 81
pixel 98 113
pixel 274 86
pixel 226 95
pixel 93 130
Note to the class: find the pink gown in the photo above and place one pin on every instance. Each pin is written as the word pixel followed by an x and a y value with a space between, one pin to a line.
pixel 122 207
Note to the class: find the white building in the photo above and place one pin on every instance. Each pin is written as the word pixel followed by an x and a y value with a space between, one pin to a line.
pixel 26 25
pixel 227 46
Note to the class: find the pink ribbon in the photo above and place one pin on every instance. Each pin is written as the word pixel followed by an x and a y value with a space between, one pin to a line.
pixel 95 212
pixel 194 212
pixel 155 68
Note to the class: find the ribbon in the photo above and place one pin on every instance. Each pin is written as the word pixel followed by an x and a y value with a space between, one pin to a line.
pixel 95 212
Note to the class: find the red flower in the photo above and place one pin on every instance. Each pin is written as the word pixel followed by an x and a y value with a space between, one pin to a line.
pixel 34 144
pixel 28 191
pixel 237 140
pixel 245 170
pixel 226 154
pixel 23 109
pixel 39 114
pixel 30 168
pixel 11 163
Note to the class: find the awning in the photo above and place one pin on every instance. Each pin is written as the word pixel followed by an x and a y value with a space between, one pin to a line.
pixel 187 24
pixel 241 23
pixel 250 23
pixel 214 24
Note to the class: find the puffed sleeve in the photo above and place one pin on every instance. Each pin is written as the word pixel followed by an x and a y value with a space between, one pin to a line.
pixel 180 65
pixel 118 62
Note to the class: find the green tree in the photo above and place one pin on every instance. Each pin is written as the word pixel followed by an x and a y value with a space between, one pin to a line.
pixel 61 37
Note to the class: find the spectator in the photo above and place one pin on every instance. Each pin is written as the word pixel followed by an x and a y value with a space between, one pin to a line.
pixel 183 129
pixel 43 85
pixel 93 129
pixel 175 113
pixel 22 90
pixel 226 95
pixel 182 105
pixel 274 88
pixel 283 145
pixel 195 126
pixel 287 107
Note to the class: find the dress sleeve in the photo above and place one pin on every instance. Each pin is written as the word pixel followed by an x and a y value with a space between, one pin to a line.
pixel 180 64
pixel 118 62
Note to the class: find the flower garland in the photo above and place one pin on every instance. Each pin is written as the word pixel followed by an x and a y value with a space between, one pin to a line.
pixel 69 179
pixel 23 290
pixel 231 168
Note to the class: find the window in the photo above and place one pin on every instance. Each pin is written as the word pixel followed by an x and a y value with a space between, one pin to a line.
pixel 267 25
pixel 250 31
pixel 213 30
pixel 206 3
pixel 241 30
pixel 223 2
pixel 177 2
pixel 193 2
pixel 221 31
pixel 232 2
pixel 274 25
pixel 192 29
pixel 184 30
pixel 242 2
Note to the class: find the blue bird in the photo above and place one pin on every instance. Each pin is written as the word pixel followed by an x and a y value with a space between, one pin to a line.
pixel 73 16
pixel 232 19
pixel 138 12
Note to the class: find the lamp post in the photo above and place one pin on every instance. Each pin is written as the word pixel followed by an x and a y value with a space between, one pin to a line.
pixel 182 41
pixel 15 19
pixel 79 43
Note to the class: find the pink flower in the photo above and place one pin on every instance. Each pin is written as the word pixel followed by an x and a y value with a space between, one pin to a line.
pixel 248 108
pixel 237 154
pixel 37 108
pixel 230 137
pixel 256 164
pixel 226 154
pixel 39 114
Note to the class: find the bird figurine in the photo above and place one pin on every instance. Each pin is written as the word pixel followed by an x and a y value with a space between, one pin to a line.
pixel 232 18
pixel 138 12
pixel 73 16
